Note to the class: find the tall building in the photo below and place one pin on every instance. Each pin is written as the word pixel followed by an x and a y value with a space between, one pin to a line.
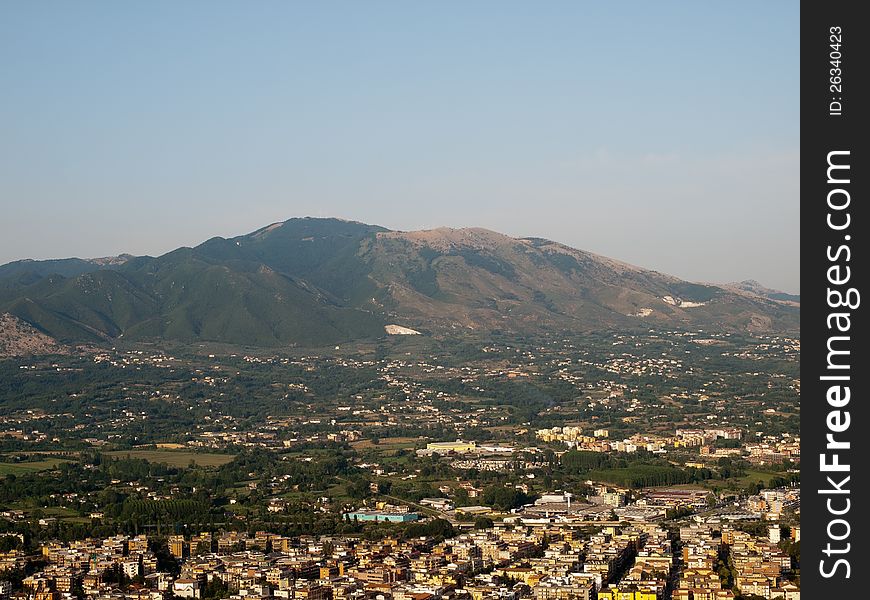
pixel 773 534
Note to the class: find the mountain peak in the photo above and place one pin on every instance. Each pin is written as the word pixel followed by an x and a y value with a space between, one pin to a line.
pixel 445 239
pixel 313 281
pixel 753 287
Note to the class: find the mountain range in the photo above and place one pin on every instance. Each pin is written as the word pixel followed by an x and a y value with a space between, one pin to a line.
pixel 311 281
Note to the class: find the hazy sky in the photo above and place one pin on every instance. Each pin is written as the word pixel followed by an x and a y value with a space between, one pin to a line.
pixel 665 134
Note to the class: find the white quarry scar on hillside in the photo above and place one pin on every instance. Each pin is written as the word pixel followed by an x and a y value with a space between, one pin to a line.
pixel 399 330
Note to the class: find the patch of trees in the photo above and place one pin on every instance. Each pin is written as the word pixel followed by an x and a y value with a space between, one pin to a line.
pixel 638 476
pixel 437 528
pixel 576 461
pixel 504 498
pixel 165 511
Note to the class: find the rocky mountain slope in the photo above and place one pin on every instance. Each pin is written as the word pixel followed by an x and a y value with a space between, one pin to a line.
pixel 18 338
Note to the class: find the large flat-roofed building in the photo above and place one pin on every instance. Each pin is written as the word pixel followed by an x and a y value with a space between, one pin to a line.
pixel 382 515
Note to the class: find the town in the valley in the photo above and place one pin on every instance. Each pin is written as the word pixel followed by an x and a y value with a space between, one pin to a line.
pixel 635 466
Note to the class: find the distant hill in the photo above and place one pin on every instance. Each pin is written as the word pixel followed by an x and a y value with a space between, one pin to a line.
pixel 321 281
pixel 751 286
pixel 67 267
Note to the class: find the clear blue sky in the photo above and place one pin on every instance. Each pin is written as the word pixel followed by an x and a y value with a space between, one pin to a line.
pixel 665 134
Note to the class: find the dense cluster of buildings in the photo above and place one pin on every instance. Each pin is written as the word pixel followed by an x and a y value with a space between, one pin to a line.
pixel 773 451
pixel 540 560
pixel 756 566
pixel 766 450
pixel 772 504
pixel 574 437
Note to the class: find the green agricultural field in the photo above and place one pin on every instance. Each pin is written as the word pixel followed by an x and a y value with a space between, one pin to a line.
pixel 29 467
pixel 389 443
pixel 175 458
pixel 755 476
pixel 752 476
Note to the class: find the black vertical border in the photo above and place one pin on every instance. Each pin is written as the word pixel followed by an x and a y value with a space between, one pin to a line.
pixel 822 133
